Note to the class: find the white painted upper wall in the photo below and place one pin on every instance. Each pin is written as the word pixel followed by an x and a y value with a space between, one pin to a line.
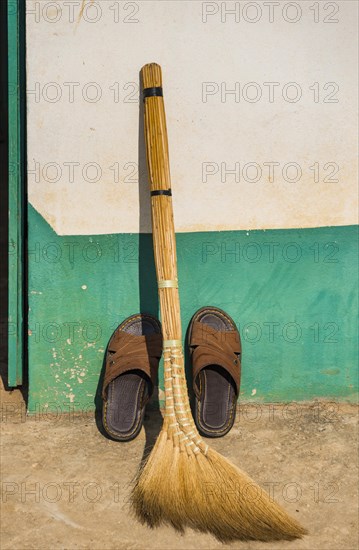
pixel 261 112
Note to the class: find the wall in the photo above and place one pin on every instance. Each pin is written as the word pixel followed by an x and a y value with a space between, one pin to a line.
pixel 261 130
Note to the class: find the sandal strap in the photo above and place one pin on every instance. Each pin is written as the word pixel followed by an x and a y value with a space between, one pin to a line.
pixel 128 352
pixel 213 347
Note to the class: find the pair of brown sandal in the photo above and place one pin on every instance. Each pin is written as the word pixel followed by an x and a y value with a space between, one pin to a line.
pixel 132 360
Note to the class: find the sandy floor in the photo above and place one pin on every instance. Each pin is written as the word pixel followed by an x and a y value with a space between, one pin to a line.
pixel 65 486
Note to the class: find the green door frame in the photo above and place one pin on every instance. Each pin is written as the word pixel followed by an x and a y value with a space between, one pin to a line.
pixel 17 163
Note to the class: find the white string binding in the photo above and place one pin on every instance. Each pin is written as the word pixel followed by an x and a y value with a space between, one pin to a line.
pixel 172 343
pixel 168 283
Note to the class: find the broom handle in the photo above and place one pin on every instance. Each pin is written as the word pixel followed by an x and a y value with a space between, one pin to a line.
pixel 164 241
pixel 177 417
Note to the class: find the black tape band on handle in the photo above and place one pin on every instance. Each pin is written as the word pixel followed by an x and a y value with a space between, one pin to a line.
pixel 152 92
pixel 167 192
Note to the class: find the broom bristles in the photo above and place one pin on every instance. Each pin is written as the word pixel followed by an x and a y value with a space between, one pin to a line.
pixel 208 494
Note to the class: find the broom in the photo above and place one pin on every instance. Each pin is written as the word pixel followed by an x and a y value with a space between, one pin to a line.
pixel 184 482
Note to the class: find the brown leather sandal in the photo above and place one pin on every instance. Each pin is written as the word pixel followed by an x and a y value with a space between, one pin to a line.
pixel 215 348
pixel 132 359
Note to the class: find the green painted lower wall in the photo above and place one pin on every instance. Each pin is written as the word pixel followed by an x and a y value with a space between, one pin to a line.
pixel 292 293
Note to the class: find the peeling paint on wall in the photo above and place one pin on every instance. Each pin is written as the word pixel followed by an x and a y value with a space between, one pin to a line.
pixel 292 293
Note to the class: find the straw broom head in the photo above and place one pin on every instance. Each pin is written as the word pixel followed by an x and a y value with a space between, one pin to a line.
pixel 184 482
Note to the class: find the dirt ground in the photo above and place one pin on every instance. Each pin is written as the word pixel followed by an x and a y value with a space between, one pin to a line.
pixel 65 486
